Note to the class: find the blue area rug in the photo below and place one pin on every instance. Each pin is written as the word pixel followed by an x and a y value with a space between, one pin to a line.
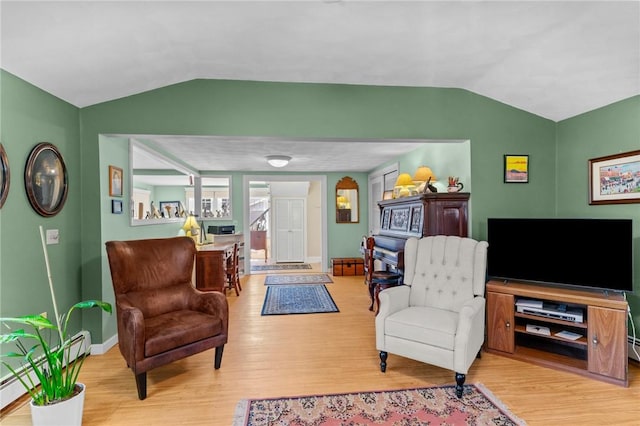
pixel 297 299
pixel 297 279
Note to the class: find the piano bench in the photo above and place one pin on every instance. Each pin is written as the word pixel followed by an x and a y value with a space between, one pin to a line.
pixel 345 266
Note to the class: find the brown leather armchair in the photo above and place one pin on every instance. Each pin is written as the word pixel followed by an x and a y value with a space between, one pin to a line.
pixel 161 316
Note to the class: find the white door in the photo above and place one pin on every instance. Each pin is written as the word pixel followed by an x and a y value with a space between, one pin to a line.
pixel 289 217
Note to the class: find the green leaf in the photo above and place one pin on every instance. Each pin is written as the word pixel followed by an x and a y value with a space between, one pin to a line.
pixel 32 320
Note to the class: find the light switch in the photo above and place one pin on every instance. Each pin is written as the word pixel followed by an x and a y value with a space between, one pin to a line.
pixel 52 236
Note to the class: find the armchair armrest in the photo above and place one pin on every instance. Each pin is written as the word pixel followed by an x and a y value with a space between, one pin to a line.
pixel 472 311
pixel 210 302
pixel 470 333
pixel 393 299
pixel 131 332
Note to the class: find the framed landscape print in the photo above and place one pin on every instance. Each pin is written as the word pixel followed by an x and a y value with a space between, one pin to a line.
pixel 615 179
pixel 516 168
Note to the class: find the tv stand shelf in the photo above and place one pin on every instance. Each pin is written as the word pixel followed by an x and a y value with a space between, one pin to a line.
pixel 599 353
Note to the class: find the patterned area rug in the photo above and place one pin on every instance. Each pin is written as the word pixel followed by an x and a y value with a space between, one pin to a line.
pixel 297 299
pixel 282 267
pixel 297 279
pixel 423 406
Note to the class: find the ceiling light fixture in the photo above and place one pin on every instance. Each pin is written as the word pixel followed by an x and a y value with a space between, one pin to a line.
pixel 278 160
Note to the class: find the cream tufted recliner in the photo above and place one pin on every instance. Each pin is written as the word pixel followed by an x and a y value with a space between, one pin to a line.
pixel 438 316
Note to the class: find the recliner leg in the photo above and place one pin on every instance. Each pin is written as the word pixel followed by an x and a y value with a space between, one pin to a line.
pixel 218 358
pixel 460 378
pixel 383 361
pixel 141 384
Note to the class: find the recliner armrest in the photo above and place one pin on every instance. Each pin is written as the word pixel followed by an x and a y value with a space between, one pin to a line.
pixel 472 312
pixel 393 299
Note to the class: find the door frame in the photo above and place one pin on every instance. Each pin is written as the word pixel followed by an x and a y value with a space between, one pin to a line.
pixel 374 209
pixel 285 178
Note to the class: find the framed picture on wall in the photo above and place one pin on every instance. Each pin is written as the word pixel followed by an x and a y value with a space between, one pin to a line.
pixel 115 181
pixel 615 179
pixel 516 168
pixel 116 206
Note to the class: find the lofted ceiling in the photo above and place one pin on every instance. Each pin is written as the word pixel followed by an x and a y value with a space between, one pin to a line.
pixel 555 59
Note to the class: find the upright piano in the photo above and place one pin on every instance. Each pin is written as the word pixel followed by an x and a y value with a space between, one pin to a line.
pixel 418 216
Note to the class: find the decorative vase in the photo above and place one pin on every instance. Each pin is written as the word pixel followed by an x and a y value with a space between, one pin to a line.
pixel 67 412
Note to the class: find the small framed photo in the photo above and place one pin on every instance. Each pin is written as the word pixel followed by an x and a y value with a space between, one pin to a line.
pixel 416 220
pixel 115 181
pixel 516 168
pixel 116 206
pixel 387 195
pixel 615 179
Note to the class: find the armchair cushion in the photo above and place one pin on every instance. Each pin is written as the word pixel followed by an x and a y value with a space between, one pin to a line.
pixel 425 325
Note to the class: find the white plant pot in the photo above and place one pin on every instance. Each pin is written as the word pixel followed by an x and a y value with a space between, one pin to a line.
pixel 68 412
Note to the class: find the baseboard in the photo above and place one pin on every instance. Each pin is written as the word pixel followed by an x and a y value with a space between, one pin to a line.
pixel 632 344
pixel 11 389
pixel 102 348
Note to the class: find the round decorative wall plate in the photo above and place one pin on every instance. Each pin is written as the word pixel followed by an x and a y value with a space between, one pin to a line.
pixel 45 179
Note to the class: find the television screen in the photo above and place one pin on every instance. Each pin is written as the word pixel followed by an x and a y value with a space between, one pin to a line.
pixel 595 253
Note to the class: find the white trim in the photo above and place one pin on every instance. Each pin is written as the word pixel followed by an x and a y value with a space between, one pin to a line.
pixel 103 348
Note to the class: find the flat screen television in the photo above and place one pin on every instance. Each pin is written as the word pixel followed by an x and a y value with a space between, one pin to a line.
pixel 585 253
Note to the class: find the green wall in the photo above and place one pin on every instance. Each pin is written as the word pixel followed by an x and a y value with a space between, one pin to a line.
pixel 605 131
pixel 557 152
pixel 29 116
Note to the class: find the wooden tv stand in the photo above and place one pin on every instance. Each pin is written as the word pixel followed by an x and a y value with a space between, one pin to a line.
pixel 600 353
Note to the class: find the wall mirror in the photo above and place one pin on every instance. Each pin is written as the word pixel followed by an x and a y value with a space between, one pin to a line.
pixel 164 191
pixel 347 207
pixel 158 186
pixel 45 179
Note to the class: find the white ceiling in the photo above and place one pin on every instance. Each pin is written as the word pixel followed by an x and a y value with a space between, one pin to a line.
pixel 554 59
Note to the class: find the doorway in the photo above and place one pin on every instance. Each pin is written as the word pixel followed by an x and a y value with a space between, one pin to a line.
pixel 274 193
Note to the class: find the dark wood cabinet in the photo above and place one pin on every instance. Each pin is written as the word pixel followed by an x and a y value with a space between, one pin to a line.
pixel 425 214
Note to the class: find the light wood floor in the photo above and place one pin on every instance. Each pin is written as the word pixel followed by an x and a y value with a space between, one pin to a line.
pixel 294 355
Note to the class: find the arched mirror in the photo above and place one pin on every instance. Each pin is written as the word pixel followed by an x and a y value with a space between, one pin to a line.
pixel 347 201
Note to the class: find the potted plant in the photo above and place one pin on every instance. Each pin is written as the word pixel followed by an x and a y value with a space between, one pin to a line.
pixel 55 363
